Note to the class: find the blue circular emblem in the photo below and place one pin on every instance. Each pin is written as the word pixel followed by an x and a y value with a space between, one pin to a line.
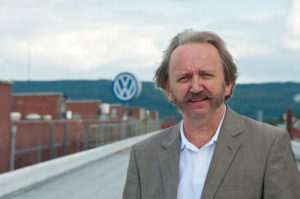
pixel 126 87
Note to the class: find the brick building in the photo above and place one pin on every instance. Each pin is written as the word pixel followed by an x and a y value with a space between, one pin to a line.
pixel 154 115
pixel 135 113
pixel 86 109
pixel 38 103
pixel 40 139
pixel 115 112
pixel 5 96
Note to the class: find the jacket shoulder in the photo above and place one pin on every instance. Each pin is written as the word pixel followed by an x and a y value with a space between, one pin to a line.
pixel 158 139
pixel 262 128
pixel 261 134
pixel 254 131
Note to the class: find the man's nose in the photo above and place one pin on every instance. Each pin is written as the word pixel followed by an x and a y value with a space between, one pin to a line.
pixel 196 85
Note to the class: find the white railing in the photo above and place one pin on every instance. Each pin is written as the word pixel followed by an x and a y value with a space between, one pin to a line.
pixel 27 176
pixel 296 149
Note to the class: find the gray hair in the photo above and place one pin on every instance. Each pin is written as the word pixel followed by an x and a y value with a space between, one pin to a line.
pixel 191 36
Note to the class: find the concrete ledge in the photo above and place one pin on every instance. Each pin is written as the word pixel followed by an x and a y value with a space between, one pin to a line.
pixel 27 176
pixel 296 149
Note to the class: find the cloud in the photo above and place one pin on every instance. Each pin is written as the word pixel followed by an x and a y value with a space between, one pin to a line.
pixel 83 50
pixel 291 39
pixel 294 18
pixel 95 38
pixel 82 38
pixel 243 48
pixel 255 18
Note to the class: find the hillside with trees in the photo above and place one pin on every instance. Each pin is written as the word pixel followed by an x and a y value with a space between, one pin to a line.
pixel 272 98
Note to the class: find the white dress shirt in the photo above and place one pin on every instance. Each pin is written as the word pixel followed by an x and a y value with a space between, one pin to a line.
pixel 194 164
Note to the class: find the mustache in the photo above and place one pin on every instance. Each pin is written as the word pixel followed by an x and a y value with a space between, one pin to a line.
pixel 202 94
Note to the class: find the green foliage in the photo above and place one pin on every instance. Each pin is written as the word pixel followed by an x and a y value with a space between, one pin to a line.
pixel 272 98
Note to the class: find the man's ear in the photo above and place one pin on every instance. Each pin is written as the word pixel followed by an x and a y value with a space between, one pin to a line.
pixel 168 92
pixel 228 87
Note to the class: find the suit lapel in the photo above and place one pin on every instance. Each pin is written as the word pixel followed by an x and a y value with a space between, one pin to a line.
pixel 169 162
pixel 226 148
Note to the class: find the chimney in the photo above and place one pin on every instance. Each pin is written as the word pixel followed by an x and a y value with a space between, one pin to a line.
pixel 289 122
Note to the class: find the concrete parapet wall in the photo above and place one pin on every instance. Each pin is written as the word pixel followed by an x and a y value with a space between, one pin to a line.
pixel 24 177
pixel 296 149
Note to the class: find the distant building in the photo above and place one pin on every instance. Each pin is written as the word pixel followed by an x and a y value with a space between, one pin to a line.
pixel 134 113
pixel 154 115
pixel 38 103
pixel 5 105
pixel 84 109
pixel 115 112
pixel 35 127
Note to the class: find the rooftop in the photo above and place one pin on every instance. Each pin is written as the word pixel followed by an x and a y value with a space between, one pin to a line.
pixel 38 94
pixel 6 82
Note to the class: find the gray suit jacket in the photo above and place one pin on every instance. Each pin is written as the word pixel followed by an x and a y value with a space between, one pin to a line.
pixel 251 160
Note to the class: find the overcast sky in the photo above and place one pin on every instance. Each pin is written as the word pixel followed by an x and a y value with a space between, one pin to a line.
pixel 95 39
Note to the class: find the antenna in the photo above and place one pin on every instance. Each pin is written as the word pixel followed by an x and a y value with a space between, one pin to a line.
pixel 28 66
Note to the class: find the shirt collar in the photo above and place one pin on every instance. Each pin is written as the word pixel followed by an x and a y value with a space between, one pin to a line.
pixel 185 143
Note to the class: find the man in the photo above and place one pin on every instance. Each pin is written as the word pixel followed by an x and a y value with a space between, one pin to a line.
pixel 213 152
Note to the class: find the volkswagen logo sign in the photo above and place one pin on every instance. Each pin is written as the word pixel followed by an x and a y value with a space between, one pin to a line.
pixel 126 87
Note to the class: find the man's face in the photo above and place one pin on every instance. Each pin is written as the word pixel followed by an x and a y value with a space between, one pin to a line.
pixel 196 81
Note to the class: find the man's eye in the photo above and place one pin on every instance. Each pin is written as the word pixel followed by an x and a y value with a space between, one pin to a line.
pixel 184 78
pixel 207 75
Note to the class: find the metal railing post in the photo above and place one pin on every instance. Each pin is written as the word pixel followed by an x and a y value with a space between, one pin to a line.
pixel 39 152
pixel 52 144
pixel 13 131
pixel 87 136
pixel 66 139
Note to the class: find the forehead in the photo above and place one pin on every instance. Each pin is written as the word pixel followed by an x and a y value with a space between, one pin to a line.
pixel 195 55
